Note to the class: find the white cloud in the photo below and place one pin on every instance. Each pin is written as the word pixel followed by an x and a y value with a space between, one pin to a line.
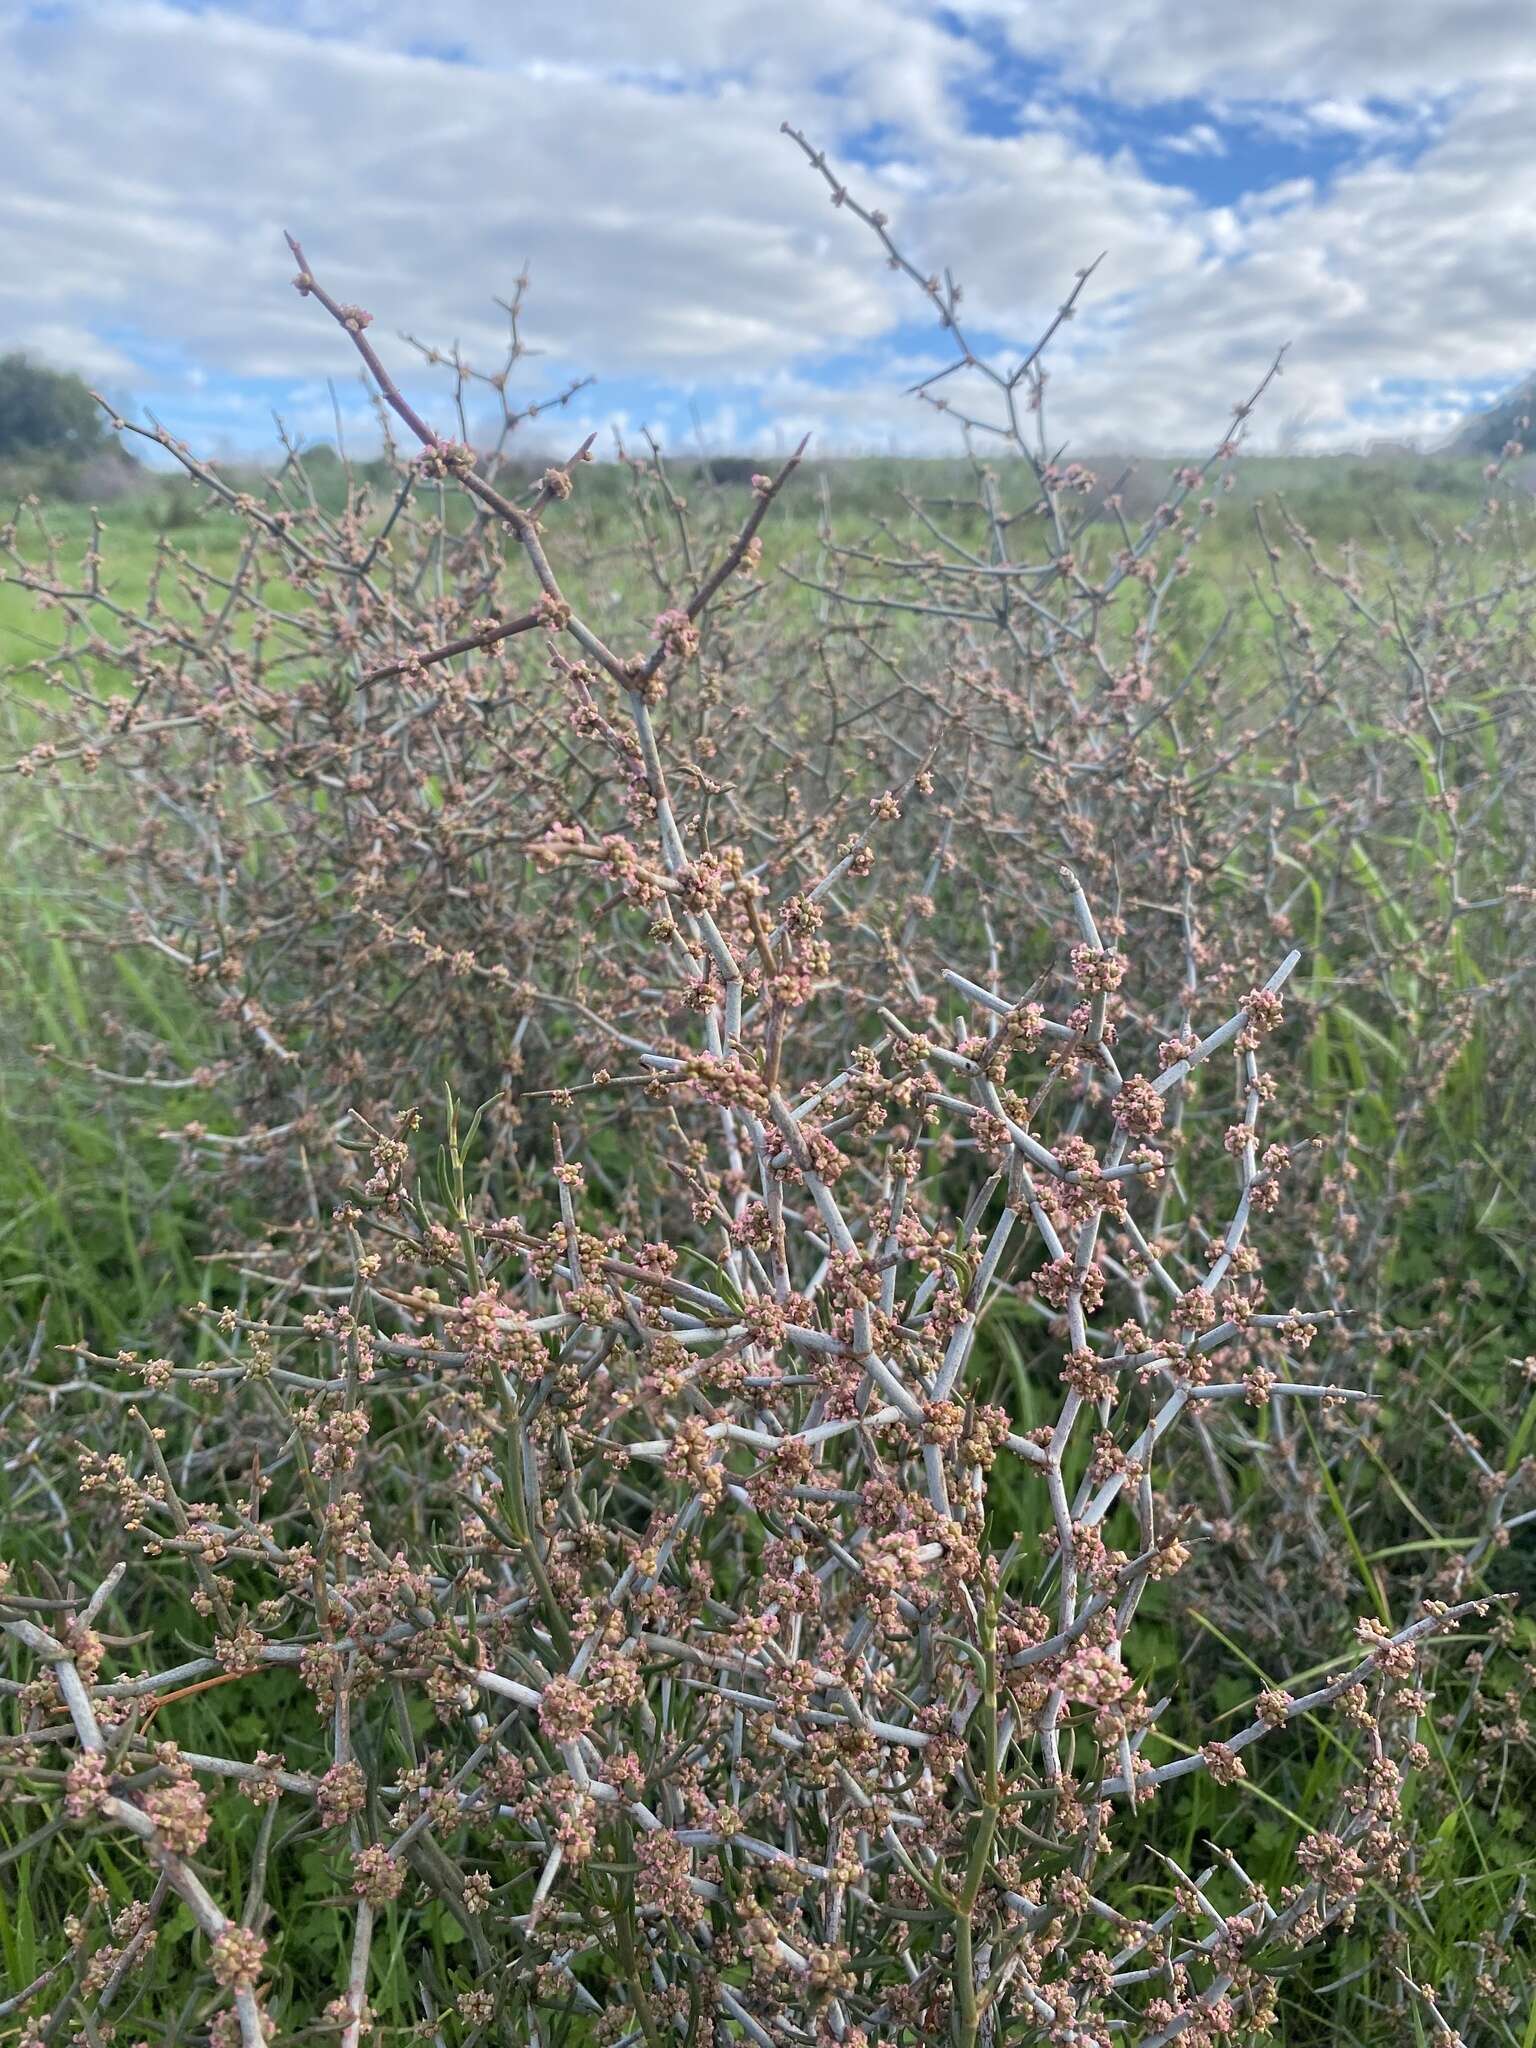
pixel 1147 50
pixel 153 155
pixel 1201 140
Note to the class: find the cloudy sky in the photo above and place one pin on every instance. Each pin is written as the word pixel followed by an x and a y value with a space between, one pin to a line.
pixel 1356 178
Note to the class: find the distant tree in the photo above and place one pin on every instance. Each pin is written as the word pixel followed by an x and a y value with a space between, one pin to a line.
pixel 47 412
pixel 734 469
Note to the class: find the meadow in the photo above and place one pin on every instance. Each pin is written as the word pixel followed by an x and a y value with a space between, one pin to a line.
pixel 495 1196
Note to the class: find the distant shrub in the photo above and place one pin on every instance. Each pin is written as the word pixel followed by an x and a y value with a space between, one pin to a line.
pixel 47 412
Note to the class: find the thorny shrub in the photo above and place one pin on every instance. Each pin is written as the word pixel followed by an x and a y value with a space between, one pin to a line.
pixel 690 1616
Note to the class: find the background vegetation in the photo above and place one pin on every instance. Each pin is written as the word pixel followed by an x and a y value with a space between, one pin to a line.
pixel 1412 1033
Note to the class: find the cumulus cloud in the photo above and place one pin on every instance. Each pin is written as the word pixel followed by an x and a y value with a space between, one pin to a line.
pixel 1359 183
pixel 1311 50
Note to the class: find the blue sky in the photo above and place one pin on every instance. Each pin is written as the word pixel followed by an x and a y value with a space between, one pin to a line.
pixel 1356 181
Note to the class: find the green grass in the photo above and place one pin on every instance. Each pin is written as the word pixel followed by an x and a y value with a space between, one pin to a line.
pixel 96 1222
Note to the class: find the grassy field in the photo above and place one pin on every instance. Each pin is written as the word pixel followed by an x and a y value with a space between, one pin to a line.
pixel 91 1215
pixel 102 1241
